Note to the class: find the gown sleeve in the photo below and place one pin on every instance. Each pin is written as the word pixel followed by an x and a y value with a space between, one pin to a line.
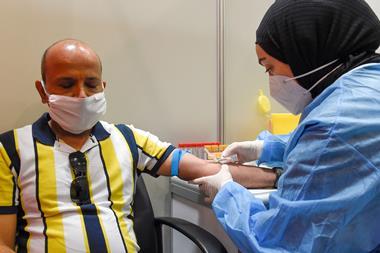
pixel 273 150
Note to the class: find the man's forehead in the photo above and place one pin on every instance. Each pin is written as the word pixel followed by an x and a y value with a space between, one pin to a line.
pixel 72 54
pixel 66 50
pixel 67 55
pixel 77 48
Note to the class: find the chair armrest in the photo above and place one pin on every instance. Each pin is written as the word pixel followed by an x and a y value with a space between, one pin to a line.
pixel 206 242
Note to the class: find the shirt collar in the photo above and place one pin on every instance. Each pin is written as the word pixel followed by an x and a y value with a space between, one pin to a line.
pixel 100 132
pixel 43 133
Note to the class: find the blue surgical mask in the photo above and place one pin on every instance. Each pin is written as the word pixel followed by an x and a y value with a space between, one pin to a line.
pixel 290 94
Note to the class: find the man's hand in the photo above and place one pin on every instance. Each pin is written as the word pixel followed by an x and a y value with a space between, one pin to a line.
pixel 246 151
pixel 210 185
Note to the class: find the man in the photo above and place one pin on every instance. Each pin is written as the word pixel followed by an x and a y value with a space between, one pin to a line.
pixel 67 180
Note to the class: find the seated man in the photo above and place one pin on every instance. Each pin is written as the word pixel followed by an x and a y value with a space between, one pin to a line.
pixel 67 180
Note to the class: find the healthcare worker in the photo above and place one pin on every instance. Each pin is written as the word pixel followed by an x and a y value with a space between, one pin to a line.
pixel 321 60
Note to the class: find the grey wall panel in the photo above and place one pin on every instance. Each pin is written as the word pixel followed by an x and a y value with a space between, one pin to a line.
pixel 243 75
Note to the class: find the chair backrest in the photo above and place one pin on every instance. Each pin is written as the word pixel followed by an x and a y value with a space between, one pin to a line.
pixel 144 224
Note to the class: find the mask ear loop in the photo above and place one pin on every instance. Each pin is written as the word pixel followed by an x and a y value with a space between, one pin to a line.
pixel 323 78
pixel 43 87
pixel 313 71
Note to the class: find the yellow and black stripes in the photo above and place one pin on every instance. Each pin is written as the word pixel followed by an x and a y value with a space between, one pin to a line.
pixel 152 151
pixel 37 173
pixel 95 235
pixel 35 179
pixel 9 142
pixel 23 236
pixel 116 197
pixel 9 169
pixel 46 193
pixel 163 158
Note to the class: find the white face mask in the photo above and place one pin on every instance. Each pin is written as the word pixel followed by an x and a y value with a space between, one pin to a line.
pixel 290 94
pixel 74 114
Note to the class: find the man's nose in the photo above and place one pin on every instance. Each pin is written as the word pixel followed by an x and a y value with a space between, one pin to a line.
pixel 80 92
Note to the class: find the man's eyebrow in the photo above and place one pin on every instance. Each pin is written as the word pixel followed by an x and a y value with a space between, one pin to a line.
pixel 67 78
pixel 92 78
pixel 64 78
pixel 262 59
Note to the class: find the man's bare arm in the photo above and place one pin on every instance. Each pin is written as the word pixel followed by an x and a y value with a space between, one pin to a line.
pixel 7 232
pixel 252 177
pixel 191 167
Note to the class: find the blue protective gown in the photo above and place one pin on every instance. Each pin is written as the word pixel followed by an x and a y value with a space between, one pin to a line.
pixel 273 151
pixel 328 198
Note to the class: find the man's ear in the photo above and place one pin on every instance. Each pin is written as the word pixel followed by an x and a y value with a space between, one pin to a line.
pixel 104 84
pixel 41 91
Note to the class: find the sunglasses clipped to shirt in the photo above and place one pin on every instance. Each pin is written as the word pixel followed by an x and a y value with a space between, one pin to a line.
pixel 79 191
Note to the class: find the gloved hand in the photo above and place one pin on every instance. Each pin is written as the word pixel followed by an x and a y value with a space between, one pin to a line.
pixel 246 151
pixel 210 185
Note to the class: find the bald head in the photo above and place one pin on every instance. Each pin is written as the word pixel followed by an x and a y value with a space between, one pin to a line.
pixel 67 50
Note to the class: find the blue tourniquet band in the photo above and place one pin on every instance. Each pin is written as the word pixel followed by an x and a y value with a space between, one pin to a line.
pixel 176 158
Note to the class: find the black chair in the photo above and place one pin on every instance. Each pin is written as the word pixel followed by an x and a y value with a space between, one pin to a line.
pixel 148 229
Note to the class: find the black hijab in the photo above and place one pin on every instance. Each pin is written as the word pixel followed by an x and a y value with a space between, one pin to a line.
pixel 307 34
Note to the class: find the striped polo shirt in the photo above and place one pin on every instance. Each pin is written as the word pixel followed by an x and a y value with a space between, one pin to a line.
pixel 35 179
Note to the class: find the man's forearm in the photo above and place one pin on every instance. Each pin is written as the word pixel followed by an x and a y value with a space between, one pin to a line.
pixel 253 177
pixel 192 167
pixel 248 176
